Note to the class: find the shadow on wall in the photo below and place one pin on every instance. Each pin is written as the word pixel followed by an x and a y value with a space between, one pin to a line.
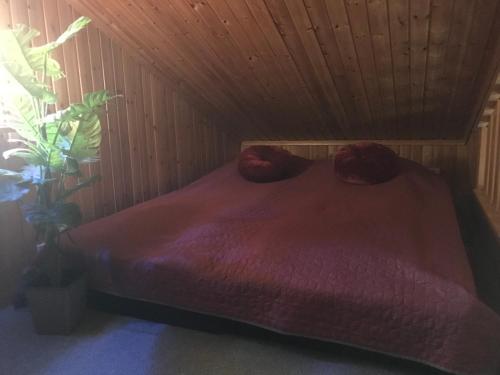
pixel 483 249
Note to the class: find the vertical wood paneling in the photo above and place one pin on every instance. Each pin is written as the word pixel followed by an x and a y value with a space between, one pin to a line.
pixel 484 144
pixel 154 140
pixel 122 126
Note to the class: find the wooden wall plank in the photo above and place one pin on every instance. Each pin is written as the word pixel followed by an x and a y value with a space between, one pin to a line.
pixel 85 75
pixel 484 150
pixel 111 113
pixel 122 124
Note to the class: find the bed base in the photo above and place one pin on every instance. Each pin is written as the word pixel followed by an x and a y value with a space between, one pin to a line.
pixel 216 325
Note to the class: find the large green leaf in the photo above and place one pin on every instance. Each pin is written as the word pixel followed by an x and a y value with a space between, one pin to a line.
pixel 30 156
pixel 38 58
pixel 85 139
pixel 85 134
pixel 55 143
pixel 39 154
pixel 74 28
pixel 22 117
pixel 16 60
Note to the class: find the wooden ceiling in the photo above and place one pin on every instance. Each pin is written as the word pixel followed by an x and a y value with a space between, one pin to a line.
pixel 320 69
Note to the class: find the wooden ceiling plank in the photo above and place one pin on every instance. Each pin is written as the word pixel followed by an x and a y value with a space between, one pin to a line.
pixel 455 53
pixel 110 23
pixel 381 38
pixel 292 108
pixel 178 62
pixel 281 54
pixel 339 20
pixel 234 60
pixel 419 42
pixel 317 68
pixel 171 33
pixel 461 101
pixel 352 95
pixel 161 16
pixel 442 13
pixel 446 75
pixel 357 15
pixel 200 37
pixel 298 52
pixel 400 45
pixel 486 86
pixel 305 31
pixel 257 67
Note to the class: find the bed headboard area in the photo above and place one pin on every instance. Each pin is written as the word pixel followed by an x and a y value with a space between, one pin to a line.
pixel 450 158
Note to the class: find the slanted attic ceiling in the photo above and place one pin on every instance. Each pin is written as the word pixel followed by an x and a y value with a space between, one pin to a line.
pixel 320 69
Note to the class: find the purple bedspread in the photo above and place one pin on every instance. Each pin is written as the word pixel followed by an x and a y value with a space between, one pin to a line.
pixel 380 267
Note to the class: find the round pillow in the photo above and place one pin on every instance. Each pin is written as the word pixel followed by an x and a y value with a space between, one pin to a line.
pixel 264 163
pixel 366 163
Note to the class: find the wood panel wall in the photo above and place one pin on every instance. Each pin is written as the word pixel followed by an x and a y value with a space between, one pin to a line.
pixel 154 140
pixel 450 157
pixel 485 160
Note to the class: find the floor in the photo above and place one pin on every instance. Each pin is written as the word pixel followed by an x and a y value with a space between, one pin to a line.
pixel 110 344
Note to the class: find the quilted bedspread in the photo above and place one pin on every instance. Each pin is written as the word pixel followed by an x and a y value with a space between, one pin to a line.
pixel 380 267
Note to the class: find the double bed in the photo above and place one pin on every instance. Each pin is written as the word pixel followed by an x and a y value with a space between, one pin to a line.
pixel 380 267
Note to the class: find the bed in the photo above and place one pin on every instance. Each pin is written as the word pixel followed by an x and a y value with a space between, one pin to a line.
pixel 380 267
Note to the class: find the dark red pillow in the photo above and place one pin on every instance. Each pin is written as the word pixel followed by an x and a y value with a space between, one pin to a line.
pixel 265 163
pixel 366 163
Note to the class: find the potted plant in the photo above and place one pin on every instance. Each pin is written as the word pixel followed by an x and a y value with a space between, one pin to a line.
pixel 52 145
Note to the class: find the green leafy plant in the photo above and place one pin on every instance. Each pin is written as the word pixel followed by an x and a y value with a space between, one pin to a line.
pixel 53 144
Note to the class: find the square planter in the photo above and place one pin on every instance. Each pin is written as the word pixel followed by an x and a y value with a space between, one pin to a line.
pixel 57 310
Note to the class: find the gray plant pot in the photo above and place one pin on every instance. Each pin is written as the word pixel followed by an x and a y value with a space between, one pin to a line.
pixel 57 311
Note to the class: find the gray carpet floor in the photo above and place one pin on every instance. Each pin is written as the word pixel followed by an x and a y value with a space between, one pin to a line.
pixel 108 344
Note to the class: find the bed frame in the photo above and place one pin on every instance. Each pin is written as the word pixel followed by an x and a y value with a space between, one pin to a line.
pixel 215 325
